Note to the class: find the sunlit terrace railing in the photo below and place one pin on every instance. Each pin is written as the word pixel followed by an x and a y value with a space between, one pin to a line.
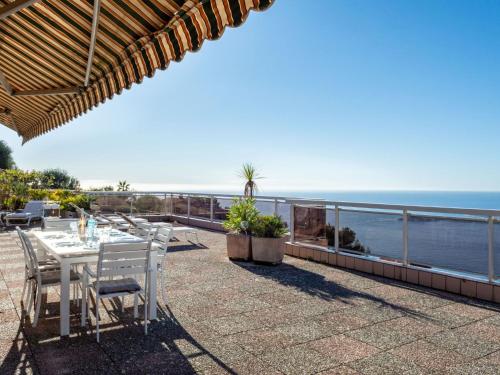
pixel 444 240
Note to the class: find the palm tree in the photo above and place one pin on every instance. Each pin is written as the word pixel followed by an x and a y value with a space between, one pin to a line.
pixel 123 186
pixel 249 173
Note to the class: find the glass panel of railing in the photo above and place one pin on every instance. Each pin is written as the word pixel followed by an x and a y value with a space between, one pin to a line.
pixel 180 205
pixel 309 225
pixel 496 248
pixel 149 204
pixel 221 208
pixel 108 204
pixel 265 207
pixel 200 207
pixel 284 212
pixel 368 232
pixel 458 244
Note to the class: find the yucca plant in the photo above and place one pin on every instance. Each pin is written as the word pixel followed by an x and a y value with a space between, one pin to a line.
pixel 250 174
pixel 123 186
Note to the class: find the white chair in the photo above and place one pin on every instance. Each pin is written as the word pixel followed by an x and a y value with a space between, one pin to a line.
pixel 32 211
pixel 40 275
pixel 125 259
pixel 53 224
pixel 161 239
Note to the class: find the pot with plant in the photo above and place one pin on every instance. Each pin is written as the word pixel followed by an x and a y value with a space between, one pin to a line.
pixel 240 220
pixel 268 238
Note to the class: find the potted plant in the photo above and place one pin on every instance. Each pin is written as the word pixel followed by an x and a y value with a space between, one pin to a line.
pixel 240 220
pixel 268 237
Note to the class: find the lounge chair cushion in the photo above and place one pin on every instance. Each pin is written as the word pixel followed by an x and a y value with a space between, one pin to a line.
pixel 127 285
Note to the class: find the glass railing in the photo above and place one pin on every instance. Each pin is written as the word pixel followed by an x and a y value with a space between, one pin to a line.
pixel 459 244
pixel 371 233
pixel 449 239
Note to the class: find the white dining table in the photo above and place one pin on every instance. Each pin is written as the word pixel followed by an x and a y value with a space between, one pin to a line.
pixel 68 250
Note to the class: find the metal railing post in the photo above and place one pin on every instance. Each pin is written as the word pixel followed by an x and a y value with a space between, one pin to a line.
pixel 276 206
pixel 292 223
pixel 405 237
pixel 337 228
pixel 165 203
pixel 189 208
pixel 491 253
pixel 171 204
pixel 212 208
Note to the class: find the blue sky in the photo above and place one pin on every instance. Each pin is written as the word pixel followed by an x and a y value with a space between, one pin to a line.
pixel 319 95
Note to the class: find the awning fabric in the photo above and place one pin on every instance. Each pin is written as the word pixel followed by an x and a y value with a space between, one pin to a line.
pixel 45 47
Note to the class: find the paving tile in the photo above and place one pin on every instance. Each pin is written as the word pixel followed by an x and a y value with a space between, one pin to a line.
pixel 341 321
pixel 299 360
pixel 414 327
pixel 340 370
pixel 302 331
pixel 386 364
pixel 343 348
pixel 428 356
pixel 473 368
pixel 482 330
pixel 463 343
pixel 381 336
pixel 231 324
pixel 468 311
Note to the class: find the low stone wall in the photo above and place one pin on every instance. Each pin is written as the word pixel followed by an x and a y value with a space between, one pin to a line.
pixel 397 271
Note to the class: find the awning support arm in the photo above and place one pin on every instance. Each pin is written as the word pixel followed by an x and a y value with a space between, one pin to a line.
pixel 93 36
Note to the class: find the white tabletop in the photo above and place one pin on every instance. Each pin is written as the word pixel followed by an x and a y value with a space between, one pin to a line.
pixel 67 244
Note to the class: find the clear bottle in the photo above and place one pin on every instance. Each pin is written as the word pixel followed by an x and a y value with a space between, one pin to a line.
pixel 91 226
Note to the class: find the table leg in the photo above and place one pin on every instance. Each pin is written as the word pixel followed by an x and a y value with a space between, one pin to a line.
pixel 64 305
pixel 152 285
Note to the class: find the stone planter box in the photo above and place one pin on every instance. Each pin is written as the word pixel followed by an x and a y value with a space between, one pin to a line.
pixel 239 246
pixel 268 250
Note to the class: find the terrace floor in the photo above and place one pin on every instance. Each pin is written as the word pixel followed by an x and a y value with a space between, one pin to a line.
pixel 224 317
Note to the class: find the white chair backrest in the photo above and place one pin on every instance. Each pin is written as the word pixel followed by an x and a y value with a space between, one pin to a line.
pixel 35 208
pixel 145 230
pixel 30 257
pixel 52 224
pixel 123 258
pixel 163 235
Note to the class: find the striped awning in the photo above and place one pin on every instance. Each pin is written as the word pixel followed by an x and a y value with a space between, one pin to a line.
pixel 60 58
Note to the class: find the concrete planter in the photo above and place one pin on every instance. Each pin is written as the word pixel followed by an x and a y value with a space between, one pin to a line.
pixel 268 250
pixel 239 246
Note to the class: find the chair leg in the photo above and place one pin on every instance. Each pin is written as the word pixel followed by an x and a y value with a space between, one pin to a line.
pixel 26 280
pixel 37 310
pixel 162 281
pixel 84 300
pixel 136 305
pixel 145 314
pixel 31 298
pixel 97 316
pixel 28 294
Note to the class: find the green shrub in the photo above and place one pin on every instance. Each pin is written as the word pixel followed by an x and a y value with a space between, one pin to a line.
pixel 241 216
pixel 269 226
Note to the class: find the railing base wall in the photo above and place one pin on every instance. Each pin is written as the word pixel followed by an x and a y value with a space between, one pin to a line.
pixel 469 288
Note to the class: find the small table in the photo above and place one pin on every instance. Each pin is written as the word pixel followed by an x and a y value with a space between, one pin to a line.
pixel 186 231
pixel 68 250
